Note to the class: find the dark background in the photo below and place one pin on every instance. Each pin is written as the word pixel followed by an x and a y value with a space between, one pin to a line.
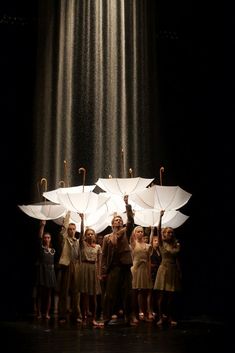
pixel 194 76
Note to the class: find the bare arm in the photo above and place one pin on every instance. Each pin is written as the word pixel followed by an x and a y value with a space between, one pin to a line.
pixel 130 218
pixel 81 238
pixel 41 228
pixel 159 228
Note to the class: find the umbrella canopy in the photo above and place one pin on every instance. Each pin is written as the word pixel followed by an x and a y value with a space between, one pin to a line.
pixel 45 210
pixel 97 220
pixel 115 204
pixel 147 218
pixel 123 186
pixel 82 202
pixel 160 197
pixel 150 217
pixel 53 194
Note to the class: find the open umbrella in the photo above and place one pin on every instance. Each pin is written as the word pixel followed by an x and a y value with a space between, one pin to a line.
pixel 45 210
pixel 115 204
pixel 53 195
pixel 97 220
pixel 150 217
pixel 123 186
pixel 161 197
pixel 80 199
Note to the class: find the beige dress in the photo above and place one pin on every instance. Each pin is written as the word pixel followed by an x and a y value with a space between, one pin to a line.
pixel 141 275
pixel 88 281
pixel 168 275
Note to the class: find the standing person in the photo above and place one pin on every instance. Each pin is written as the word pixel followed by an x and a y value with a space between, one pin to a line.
pixel 99 297
pixel 141 273
pixel 155 260
pixel 116 262
pixel 168 279
pixel 45 273
pixel 69 268
pixel 89 273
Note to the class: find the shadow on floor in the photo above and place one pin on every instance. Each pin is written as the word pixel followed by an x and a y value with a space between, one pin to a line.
pixel 193 335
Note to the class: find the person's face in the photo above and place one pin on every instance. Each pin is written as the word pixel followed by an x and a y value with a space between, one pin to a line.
pixel 117 222
pixel 155 242
pixel 146 239
pixel 46 239
pixel 71 230
pixel 168 234
pixel 90 236
pixel 100 239
pixel 139 233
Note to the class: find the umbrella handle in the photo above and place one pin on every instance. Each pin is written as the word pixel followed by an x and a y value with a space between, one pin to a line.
pixel 84 176
pixel 65 174
pixel 61 184
pixel 123 168
pixel 44 181
pixel 161 172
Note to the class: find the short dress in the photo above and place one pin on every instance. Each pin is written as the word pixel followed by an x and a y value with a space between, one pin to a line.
pixel 141 277
pixel 45 270
pixel 168 275
pixel 88 281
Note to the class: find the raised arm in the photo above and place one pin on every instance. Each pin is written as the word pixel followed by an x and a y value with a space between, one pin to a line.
pixel 41 228
pixel 130 218
pixel 81 238
pixel 159 228
pixel 151 235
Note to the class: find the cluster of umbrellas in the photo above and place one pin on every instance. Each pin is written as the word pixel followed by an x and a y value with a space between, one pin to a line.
pixel 147 200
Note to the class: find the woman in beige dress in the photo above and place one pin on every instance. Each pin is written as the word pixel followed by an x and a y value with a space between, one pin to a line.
pixel 168 278
pixel 89 273
pixel 141 272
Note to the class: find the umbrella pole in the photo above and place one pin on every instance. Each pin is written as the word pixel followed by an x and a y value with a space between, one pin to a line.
pixel 123 167
pixel 161 173
pixel 65 174
pixel 84 176
pixel 64 183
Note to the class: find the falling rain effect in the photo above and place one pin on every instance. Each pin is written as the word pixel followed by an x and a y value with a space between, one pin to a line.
pixel 94 104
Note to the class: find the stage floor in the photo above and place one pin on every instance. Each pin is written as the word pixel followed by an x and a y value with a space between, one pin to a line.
pixel 194 335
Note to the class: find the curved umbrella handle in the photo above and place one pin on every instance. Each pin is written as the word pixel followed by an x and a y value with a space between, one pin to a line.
pixel 44 181
pixel 84 176
pixel 65 174
pixel 161 173
pixel 61 184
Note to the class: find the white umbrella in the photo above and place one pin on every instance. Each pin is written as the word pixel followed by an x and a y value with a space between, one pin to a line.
pixel 79 199
pixel 97 220
pixel 116 204
pixel 150 217
pixel 161 197
pixel 45 210
pixel 53 194
pixel 123 186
